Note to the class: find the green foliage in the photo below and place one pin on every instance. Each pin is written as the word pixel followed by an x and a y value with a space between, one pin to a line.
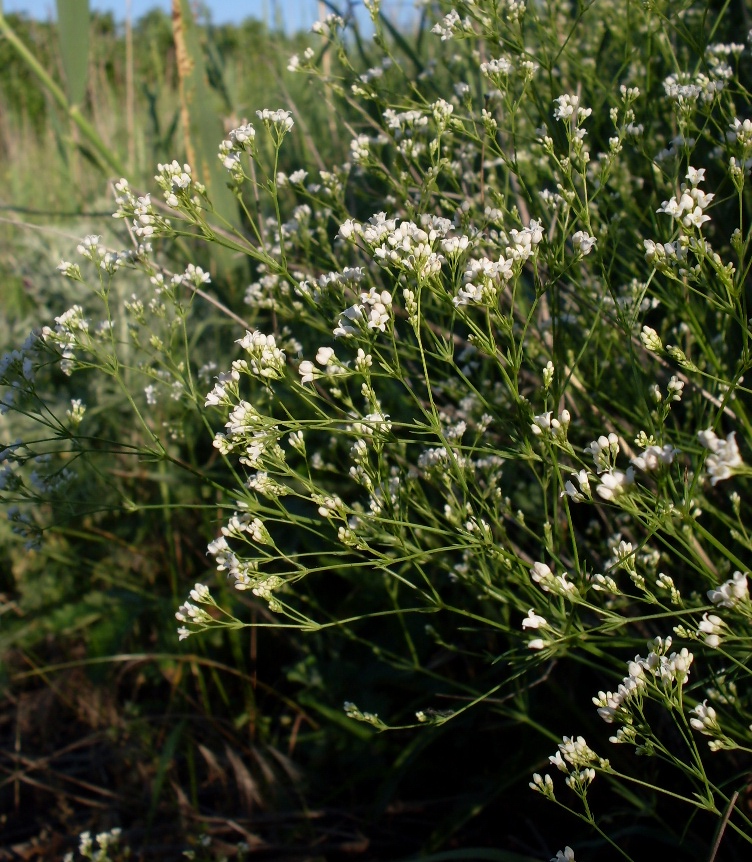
pixel 476 433
pixel 73 31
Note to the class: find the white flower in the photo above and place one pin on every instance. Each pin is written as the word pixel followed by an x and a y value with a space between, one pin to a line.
pixel 324 355
pixel 354 314
pixel 568 108
pixel 565 855
pixel 281 120
pixel 649 336
pixel 725 457
pixel 307 371
pixel 705 719
pixel 542 784
pixel 654 457
pixel 583 493
pixel 615 483
pixel 710 629
pixel 731 592
pixel 541 573
pixel 603 450
pixel 534 621
pixel 200 593
pixel 583 242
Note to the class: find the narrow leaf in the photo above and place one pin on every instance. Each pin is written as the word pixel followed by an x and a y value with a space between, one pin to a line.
pixel 201 118
pixel 73 29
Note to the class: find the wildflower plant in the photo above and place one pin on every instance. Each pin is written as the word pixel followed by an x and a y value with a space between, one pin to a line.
pixel 486 392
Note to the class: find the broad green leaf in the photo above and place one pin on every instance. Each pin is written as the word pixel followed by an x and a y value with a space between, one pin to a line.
pixel 73 28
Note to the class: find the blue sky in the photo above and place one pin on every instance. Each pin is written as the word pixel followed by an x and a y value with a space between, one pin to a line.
pixel 297 14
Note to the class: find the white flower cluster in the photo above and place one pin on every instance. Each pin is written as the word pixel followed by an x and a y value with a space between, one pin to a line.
pixel 622 554
pixel 225 389
pixel 252 435
pixel 686 89
pixel 193 276
pixel 654 457
pixel 705 721
pixel 263 484
pixel 240 140
pixel 724 459
pixel 711 630
pixel 577 761
pixel 612 482
pixel 482 279
pixel 568 108
pixel 575 752
pixel 521 244
pixel 360 149
pixel 674 388
pixel 293 64
pixel 145 220
pixel 403 122
pixel 193 614
pixel 406 245
pixel 91 248
pixel 329 25
pixel 740 132
pixel 177 182
pixel 546 425
pixel 541 574
pixel 240 524
pixel 105 843
pixel 66 336
pixel 452 24
pixel 579 495
pixel 731 593
pixel 373 312
pixel 658 667
pixel 687 207
pixel 493 69
pixel 279 121
pixel 440 458
pixel 267 360
pixel 245 572
pixel 661 254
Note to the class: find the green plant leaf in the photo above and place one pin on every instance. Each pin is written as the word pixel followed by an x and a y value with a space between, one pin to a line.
pixel 202 125
pixel 73 28
pixel 165 761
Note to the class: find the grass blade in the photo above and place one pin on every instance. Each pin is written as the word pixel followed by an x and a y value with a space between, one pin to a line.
pixel 106 158
pixel 201 120
pixel 73 29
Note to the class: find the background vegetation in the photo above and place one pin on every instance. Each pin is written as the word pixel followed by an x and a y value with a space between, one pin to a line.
pixel 106 720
